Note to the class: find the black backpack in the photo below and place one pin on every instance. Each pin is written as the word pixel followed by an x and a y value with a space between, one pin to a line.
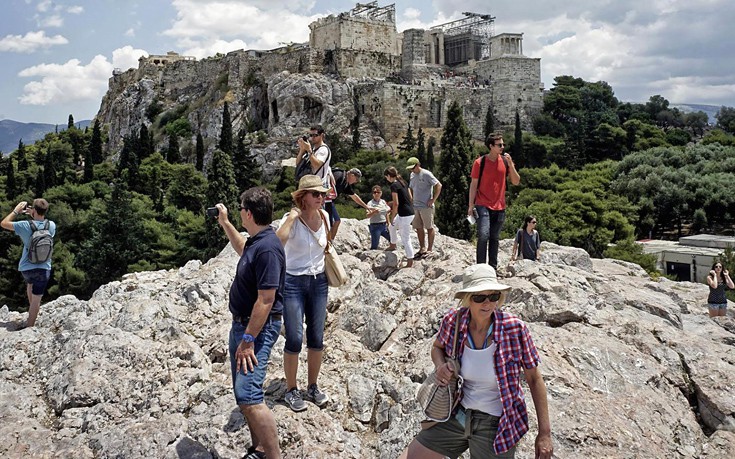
pixel 41 245
pixel 304 167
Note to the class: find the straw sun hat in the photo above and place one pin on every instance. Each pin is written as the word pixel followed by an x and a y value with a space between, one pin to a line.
pixel 310 183
pixel 480 278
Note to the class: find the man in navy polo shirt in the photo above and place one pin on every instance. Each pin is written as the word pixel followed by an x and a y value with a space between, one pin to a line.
pixel 256 304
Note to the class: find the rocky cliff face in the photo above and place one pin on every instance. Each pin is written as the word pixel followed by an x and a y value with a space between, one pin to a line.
pixel 634 368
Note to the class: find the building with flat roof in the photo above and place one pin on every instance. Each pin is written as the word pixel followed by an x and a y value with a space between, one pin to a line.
pixel 691 258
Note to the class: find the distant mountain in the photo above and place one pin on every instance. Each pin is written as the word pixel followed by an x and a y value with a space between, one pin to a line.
pixel 710 110
pixel 12 131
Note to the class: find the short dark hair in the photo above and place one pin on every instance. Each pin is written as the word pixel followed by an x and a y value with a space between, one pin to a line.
pixel 40 205
pixel 492 138
pixel 318 128
pixel 259 202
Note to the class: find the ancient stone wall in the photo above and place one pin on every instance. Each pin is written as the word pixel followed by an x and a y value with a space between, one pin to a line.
pixel 413 56
pixel 354 64
pixel 354 33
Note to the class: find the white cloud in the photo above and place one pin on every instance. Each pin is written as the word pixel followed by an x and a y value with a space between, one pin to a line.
pixel 227 25
pixel 44 5
pixel 76 9
pixel 50 21
pixel 30 42
pixel 74 81
pixel 130 32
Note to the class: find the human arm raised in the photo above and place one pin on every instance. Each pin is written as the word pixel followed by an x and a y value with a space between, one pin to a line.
pixel 544 445
pixel 245 354
pixel 236 239
pixel 7 222
pixel 728 281
pixel 712 279
pixel 515 178
pixel 285 229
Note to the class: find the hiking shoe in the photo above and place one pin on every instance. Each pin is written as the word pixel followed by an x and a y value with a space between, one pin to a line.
pixel 253 454
pixel 317 396
pixel 294 400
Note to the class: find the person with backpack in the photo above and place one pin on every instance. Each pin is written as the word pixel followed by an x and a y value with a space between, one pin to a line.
pixel 37 235
pixel 527 242
pixel 314 156
pixel 487 197
pixel 341 183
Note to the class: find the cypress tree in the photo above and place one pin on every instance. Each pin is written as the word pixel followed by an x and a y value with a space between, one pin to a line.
pixel 454 168
pixel 49 170
pixel 145 143
pixel 10 185
pixel 70 122
pixel 40 187
pixel 421 147
pixel 127 167
pixel 356 133
pixel 518 142
pixel 408 144
pixel 200 152
pixel 489 123
pixel 221 188
pixel 94 152
pixel 430 153
pixel 172 152
pixel 225 137
pixel 88 170
pixel 22 157
pixel 247 172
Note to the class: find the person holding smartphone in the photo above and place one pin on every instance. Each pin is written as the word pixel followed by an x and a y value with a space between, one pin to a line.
pixel 718 280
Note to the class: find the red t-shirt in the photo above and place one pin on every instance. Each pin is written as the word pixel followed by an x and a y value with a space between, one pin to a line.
pixel 491 192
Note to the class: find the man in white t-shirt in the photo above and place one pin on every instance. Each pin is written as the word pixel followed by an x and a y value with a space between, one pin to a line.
pixel 321 156
pixel 426 189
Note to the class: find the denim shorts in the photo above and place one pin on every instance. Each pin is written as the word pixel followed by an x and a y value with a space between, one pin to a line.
pixel 38 278
pixel 305 297
pixel 248 387
pixel 717 305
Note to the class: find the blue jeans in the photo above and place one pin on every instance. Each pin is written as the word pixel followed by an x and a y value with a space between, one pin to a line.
pixel 377 230
pixel 248 387
pixel 305 297
pixel 489 225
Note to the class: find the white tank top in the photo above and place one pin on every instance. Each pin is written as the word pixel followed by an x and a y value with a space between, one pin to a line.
pixel 480 388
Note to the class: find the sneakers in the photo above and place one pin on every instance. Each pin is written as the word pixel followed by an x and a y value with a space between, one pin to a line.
pixel 253 454
pixel 294 400
pixel 317 396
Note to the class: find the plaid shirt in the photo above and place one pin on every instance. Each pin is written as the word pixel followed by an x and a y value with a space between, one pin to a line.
pixel 515 350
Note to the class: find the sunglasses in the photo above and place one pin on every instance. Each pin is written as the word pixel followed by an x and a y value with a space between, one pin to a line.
pixel 718 267
pixel 533 221
pixel 377 192
pixel 481 298
pixel 243 207
pixel 501 145
pixel 318 194
pixel 314 135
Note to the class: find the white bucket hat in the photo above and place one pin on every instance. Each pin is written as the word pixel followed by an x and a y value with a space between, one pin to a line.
pixel 479 278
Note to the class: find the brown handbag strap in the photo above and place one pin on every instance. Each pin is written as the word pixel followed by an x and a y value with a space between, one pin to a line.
pixel 454 355
pixel 326 229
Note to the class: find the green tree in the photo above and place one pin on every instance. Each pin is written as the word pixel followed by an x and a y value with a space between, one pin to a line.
pixel 40 185
pixel 22 157
pixel 355 125
pixel 172 152
pixel 221 188
pixel 726 119
pixel 696 122
pixel 225 137
pixel 70 122
pixel 454 168
pixel 421 146
pixel 489 126
pixel 518 153
pixel 11 188
pixel 145 143
pixel 629 250
pixel 49 170
pixel 200 152
pixel 408 144
pixel 247 171
pixel 430 153
pixel 94 152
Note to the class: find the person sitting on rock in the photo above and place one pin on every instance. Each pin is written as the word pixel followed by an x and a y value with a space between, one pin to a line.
pixel 493 347
pixel 527 243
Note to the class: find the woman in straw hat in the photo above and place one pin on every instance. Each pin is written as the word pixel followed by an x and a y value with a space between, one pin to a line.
pixel 493 348
pixel 303 232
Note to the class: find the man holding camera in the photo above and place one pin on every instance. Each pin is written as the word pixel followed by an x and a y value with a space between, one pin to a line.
pixel 256 304
pixel 317 152
pixel 36 273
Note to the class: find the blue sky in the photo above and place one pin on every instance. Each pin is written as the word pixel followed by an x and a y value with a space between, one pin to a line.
pixel 57 55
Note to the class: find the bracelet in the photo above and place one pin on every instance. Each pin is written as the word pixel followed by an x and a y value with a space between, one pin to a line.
pixel 15 212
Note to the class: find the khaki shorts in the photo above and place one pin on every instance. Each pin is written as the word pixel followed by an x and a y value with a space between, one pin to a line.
pixel 452 439
pixel 423 218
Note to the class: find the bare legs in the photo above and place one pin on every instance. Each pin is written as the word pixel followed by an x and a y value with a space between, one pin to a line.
pixel 263 430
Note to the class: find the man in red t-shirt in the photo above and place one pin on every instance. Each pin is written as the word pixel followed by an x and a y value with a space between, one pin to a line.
pixel 487 196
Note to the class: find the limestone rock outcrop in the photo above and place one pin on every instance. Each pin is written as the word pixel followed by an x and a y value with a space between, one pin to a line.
pixel 634 367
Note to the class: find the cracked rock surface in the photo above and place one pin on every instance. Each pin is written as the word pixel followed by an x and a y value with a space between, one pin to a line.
pixel 634 367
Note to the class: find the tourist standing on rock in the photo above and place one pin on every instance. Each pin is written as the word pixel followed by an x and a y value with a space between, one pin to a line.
pixel 493 347
pixel 35 261
pixel 377 211
pixel 527 243
pixel 426 189
pixel 256 304
pixel 487 196
pixel 401 213
pixel 303 232
pixel 342 184
pixel 718 280
pixel 317 153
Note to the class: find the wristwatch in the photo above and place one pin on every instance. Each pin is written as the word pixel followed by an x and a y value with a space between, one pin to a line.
pixel 248 338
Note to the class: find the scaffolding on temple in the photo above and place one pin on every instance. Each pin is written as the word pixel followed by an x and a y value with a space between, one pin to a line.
pixel 467 38
pixel 373 11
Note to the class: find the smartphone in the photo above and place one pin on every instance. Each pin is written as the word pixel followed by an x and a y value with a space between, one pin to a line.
pixel 212 212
